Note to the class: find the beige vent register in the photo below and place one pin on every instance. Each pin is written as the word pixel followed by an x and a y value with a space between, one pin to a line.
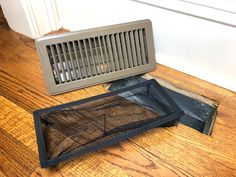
pixel 83 58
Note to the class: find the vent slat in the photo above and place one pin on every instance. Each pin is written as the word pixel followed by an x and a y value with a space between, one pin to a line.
pixel 93 60
pixel 88 64
pixel 58 51
pixel 110 54
pixel 73 62
pixel 142 46
pixel 126 64
pixel 102 57
pixel 129 49
pixel 68 69
pixel 55 66
pixel 145 45
pixel 106 54
pixel 133 48
pixel 98 61
pixel 76 64
pixel 136 37
pixel 117 65
pixel 83 62
pixel 119 52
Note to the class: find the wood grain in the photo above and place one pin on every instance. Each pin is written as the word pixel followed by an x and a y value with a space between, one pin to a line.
pixel 3 21
pixel 16 158
pixel 173 151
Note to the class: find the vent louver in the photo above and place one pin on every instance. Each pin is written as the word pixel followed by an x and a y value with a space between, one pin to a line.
pixel 83 58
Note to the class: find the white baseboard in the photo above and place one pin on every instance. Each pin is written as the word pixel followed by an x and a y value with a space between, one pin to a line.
pixel 225 81
pixel 32 18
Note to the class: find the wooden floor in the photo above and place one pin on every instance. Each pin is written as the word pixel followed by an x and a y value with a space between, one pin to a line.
pixel 174 151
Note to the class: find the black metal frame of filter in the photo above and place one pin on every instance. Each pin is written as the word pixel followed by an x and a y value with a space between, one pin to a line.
pixel 45 162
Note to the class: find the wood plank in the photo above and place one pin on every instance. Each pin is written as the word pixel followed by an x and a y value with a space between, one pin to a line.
pixel 18 123
pixel 173 151
pixel 15 158
pixel 2 174
pixel 18 148
pixel 3 20
pixel 120 160
pixel 185 150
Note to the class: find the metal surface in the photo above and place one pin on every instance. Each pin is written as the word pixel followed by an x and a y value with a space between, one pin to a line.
pixel 200 112
pixel 70 130
pixel 83 58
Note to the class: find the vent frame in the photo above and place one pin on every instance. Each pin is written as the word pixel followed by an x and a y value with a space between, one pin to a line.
pixel 55 88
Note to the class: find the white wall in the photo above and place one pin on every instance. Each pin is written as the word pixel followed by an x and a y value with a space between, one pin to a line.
pixel 32 18
pixel 14 12
pixel 194 45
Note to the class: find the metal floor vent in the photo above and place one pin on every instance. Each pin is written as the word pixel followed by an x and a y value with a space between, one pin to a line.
pixel 83 58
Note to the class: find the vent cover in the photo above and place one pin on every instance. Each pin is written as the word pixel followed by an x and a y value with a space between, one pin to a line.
pixel 84 58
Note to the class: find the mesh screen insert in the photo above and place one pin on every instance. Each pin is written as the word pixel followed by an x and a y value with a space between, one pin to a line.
pixel 75 128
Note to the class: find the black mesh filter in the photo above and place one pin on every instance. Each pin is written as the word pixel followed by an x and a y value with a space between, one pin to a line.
pixel 72 129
